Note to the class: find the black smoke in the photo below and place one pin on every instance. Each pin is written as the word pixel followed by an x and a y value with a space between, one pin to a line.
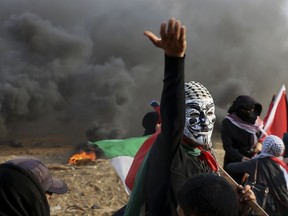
pixel 70 65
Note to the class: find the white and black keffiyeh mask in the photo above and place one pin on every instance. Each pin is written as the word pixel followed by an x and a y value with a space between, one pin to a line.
pixel 200 113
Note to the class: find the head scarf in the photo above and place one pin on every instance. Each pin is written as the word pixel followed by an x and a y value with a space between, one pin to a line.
pixel 250 128
pixel 246 108
pixel 273 146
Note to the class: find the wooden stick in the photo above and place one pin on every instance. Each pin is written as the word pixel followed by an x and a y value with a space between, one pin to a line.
pixel 256 208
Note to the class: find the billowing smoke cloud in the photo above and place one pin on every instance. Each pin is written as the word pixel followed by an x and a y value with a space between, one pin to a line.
pixel 70 65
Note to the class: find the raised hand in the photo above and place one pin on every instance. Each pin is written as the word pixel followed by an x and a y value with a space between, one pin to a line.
pixel 173 38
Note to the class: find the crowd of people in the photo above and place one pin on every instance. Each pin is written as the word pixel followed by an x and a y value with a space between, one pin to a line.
pixel 251 158
pixel 179 174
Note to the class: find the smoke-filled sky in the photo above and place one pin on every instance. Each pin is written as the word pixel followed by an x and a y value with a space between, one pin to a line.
pixel 69 65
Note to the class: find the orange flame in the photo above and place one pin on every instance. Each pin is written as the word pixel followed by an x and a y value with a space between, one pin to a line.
pixel 74 159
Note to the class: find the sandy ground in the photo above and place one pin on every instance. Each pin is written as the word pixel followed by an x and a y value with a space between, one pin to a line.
pixel 94 187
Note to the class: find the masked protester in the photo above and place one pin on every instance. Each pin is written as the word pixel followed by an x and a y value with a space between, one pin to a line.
pixel 240 132
pixel 180 151
pixel 200 115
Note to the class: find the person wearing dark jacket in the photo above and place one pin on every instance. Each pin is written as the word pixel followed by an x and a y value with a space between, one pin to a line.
pixel 187 119
pixel 240 131
pixel 270 172
pixel 25 185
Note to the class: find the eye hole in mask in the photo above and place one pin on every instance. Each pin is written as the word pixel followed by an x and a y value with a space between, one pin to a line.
pixel 247 109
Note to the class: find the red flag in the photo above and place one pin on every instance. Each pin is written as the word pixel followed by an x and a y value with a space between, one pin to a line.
pixel 275 122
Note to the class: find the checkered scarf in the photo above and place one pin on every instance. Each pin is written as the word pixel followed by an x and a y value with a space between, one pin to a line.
pixel 273 146
pixel 250 128
pixel 195 90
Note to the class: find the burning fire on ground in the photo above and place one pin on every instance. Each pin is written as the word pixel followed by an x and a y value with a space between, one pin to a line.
pixel 82 156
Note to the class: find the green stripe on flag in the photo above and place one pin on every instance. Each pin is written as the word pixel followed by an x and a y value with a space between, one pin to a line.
pixel 137 197
pixel 120 147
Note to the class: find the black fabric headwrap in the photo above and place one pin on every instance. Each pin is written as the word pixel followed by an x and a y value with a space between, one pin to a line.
pixel 246 102
pixel 20 193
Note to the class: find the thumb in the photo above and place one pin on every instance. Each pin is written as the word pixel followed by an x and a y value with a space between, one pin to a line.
pixel 153 38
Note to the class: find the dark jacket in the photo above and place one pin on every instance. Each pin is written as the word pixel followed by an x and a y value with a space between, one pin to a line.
pixel 237 142
pixel 169 165
pixel 268 175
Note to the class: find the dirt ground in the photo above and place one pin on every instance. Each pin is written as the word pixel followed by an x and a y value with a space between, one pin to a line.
pixel 94 187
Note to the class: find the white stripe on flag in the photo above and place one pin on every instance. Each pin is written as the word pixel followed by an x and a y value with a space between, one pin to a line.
pixel 122 165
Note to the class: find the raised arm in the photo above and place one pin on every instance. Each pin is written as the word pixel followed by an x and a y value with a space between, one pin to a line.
pixel 173 42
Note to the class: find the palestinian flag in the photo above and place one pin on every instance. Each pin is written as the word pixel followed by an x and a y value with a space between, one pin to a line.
pixel 121 153
pixel 126 155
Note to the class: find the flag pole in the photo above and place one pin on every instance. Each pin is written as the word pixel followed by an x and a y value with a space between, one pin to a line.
pixel 252 204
